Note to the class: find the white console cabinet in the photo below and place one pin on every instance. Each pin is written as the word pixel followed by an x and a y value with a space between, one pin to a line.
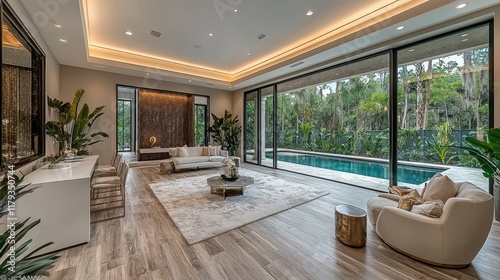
pixel 62 201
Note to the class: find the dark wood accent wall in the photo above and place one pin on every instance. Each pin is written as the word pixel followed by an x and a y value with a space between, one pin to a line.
pixel 166 116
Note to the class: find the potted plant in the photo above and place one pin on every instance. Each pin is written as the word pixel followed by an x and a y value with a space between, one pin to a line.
pixel 225 131
pixel 73 125
pixel 488 154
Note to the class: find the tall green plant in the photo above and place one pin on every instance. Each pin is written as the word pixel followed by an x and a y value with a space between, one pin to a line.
pixel 487 152
pixel 74 125
pixel 16 261
pixel 225 131
pixel 442 143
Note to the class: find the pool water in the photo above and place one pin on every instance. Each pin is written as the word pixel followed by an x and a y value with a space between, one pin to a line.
pixel 406 174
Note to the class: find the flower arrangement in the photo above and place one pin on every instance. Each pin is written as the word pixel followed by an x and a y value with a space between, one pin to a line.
pixel 229 169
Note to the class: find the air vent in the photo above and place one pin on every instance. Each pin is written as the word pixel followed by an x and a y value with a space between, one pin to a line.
pixel 155 33
pixel 261 36
pixel 297 64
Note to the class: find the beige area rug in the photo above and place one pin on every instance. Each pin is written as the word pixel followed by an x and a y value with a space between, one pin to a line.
pixel 200 215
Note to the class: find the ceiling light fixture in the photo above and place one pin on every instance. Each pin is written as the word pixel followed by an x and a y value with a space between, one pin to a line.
pixel 248 53
pixel 411 50
pixel 210 34
pixel 235 10
pixel 63 40
pixel 147 74
pixel 464 35
pixel 400 27
pixel 461 6
pixel 189 81
pixel 309 13
pixel 129 33
pixel 57 25
pixel 464 40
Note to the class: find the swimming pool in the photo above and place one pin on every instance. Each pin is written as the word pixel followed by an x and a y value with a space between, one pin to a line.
pixel 406 173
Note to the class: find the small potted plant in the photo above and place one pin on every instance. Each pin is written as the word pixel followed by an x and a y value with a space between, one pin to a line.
pixel 53 160
pixel 488 154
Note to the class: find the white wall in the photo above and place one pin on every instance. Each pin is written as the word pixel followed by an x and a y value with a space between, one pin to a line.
pixel 100 89
pixel 52 67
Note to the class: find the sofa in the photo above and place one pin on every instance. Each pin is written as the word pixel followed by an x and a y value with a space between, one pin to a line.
pixel 452 240
pixel 182 158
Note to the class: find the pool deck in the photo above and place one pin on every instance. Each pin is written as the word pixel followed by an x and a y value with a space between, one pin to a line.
pixel 456 173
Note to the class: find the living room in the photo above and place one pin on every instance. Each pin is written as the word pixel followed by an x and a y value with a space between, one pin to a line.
pixel 298 243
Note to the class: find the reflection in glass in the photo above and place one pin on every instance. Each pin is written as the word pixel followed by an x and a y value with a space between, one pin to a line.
pixel 21 117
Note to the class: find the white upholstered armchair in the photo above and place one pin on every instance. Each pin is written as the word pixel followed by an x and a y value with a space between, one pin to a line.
pixel 453 240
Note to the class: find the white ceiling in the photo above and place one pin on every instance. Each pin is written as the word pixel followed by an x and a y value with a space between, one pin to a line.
pixel 233 57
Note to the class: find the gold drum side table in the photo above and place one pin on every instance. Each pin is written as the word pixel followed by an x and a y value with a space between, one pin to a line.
pixel 350 225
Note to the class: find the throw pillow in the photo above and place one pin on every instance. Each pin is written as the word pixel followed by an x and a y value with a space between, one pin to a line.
pixel 440 188
pixel 172 152
pixel 400 190
pixel 205 151
pixel 182 151
pixel 214 150
pixel 433 209
pixel 412 198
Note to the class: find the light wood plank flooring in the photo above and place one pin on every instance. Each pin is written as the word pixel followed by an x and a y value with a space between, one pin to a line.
pixel 298 243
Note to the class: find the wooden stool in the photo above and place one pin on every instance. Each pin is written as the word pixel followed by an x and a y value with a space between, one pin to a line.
pixel 350 225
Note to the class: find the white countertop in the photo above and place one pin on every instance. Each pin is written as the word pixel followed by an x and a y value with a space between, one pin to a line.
pixel 76 170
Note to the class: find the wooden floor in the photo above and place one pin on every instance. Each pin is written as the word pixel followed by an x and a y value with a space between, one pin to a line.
pixel 298 243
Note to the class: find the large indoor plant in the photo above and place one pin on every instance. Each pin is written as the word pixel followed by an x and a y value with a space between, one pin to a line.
pixel 487 152
pixel 72 128
pixel 225 131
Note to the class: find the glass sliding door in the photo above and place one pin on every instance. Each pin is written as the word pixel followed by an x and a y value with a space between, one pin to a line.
pixel 327 118
pixel 251 128
pixel 443 97
pixel 267 126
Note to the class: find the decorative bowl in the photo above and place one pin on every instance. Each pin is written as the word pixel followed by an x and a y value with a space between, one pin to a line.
pixel 229 178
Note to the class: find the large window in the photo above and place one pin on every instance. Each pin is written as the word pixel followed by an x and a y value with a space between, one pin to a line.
pixel 200 125
pixel 23 65
pixel 338 123
pixel 124 125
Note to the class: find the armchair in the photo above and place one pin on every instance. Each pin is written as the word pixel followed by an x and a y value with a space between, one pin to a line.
pixel 453 240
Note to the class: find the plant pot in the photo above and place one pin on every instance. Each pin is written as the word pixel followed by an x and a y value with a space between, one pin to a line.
pixel 496 194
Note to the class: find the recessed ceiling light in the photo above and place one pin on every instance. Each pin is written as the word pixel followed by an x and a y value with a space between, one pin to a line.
pixel 129 33
pixel 461 6
pixel 400 27
pixel 210 34
pixel 236 85
pixel 147 74
pixel 465 40
pixel 411 50
pixel 63 40
pixel 251 80
pixel 227 67
pixel 309 13
pixel 58 25
pixel 464 35
pixel 248 53
pixel 235 10
pixel 189 81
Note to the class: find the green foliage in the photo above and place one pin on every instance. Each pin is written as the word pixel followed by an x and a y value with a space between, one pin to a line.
pixel 73 126
pixel 24 265
pixel 442 143
pixel 487 153
pixel 53 159
pixel 225 131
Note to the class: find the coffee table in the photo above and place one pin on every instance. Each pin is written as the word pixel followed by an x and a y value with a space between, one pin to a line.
pixel 222 187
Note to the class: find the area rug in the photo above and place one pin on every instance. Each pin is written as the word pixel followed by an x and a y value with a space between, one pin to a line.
pixel 200 215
